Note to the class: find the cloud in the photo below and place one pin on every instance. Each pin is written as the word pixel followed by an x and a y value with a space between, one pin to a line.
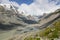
pixel 15 4
pixel 38 7
pixel 9 2
pixel 4 1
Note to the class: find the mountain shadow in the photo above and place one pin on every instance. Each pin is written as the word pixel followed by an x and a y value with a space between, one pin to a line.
pixel 9 26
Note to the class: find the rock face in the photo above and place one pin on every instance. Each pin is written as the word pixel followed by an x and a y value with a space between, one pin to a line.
pixel 47 20
pixel 11 22
pixel 9 18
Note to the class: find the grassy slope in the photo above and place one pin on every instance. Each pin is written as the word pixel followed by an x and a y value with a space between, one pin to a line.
pixel 49 32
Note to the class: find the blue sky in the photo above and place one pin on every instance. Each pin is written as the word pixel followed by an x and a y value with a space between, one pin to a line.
pixel 23 1
pixel 57 3
pixel 28 2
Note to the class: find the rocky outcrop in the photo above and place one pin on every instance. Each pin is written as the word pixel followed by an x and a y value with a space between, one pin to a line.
pixel 10 19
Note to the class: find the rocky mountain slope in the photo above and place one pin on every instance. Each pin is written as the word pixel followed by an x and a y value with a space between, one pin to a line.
pixel 18 26
pixel 11 22
pixel 11 18
pixel 49 28
pixel 45 21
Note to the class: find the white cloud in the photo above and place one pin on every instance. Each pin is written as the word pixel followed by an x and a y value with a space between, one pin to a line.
pixel 38 7
pixel 7 2
pixel 15 4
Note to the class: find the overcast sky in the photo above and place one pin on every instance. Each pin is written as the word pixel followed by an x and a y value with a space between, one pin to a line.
pixel 34 7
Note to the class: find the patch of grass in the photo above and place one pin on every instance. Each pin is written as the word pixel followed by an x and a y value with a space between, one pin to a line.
pixel 49 32
pixel 31 38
